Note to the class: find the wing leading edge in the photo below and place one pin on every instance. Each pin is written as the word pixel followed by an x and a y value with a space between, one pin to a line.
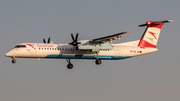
pixel 108 38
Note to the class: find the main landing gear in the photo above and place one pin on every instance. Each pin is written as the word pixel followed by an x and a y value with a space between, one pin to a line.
pixel 13 60
pixel 98 61
pixel 70 65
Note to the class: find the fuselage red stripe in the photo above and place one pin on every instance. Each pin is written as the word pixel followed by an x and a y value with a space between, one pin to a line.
pixel 31 46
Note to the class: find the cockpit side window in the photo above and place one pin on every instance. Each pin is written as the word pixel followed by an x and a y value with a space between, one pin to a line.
pixel 20 46
pixel 23 46
pixel 17 46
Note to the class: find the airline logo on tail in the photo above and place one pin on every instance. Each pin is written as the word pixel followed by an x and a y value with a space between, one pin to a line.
pixel 153 34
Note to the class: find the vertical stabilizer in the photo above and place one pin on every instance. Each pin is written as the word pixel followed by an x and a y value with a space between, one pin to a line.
pixel 151 34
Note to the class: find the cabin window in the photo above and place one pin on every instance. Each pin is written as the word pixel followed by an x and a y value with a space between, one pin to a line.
pixel 52 48
pixel 45 48
pixel 55 49
pixel 39 48
pixel 42 48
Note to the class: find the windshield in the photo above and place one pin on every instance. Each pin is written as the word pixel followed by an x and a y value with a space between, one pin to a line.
pixel 20 46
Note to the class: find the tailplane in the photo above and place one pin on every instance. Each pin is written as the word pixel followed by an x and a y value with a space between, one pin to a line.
pixel 151 34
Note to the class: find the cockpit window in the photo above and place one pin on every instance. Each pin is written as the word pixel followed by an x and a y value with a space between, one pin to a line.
pixel 20 46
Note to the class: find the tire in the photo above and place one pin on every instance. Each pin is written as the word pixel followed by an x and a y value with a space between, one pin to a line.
pixel 70 66
pixel 98 62
pixel 13 61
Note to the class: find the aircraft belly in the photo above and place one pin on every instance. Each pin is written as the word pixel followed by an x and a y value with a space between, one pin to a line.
pixel 86 56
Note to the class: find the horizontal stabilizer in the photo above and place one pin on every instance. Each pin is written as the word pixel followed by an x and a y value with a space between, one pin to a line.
pixel 155 23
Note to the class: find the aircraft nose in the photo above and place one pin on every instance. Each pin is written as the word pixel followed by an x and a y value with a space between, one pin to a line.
pixel 9 54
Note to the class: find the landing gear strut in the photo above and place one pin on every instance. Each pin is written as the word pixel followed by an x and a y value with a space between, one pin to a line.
pixel 98 61
pixel 13 61
pixel 70 65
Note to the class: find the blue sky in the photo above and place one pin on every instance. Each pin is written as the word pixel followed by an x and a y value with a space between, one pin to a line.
pixel 152 77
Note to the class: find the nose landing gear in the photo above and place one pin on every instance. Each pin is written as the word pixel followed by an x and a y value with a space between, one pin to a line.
pixel 13 61
pixel 70 65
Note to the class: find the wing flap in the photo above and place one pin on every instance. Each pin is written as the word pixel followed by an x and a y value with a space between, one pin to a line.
pixel 108 38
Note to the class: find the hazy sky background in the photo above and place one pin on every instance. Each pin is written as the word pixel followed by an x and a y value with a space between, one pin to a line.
pixel 152 77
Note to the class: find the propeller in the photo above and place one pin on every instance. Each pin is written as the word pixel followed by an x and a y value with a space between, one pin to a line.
pixel 74 42
pixel 47 41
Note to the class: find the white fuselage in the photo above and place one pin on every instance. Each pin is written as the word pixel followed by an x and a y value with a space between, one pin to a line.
pixel 65 51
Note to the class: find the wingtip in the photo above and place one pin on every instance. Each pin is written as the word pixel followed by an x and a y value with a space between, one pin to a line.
pixel 170 20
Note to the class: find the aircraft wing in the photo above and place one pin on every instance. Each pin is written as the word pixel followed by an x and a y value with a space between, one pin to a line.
pixel 108 38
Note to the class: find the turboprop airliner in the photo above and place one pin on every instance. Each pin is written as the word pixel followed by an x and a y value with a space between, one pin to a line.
pixel 97 49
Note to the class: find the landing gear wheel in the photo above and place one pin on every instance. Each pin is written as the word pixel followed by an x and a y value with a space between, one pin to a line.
pixel 70 66
pixel 98 62
pixel 13 61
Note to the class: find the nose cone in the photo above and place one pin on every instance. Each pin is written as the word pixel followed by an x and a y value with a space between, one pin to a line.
pixel 9 54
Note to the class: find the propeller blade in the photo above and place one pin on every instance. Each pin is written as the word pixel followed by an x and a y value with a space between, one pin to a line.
pixel 76 48
pixel 48 40
pixel 72 36
pixel 44 40
pixel 74 42
pixel 76 37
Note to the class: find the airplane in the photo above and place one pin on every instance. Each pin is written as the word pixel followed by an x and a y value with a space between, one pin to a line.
pixel 96 49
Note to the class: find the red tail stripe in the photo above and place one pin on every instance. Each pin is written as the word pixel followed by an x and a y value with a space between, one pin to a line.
pixel 143 43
